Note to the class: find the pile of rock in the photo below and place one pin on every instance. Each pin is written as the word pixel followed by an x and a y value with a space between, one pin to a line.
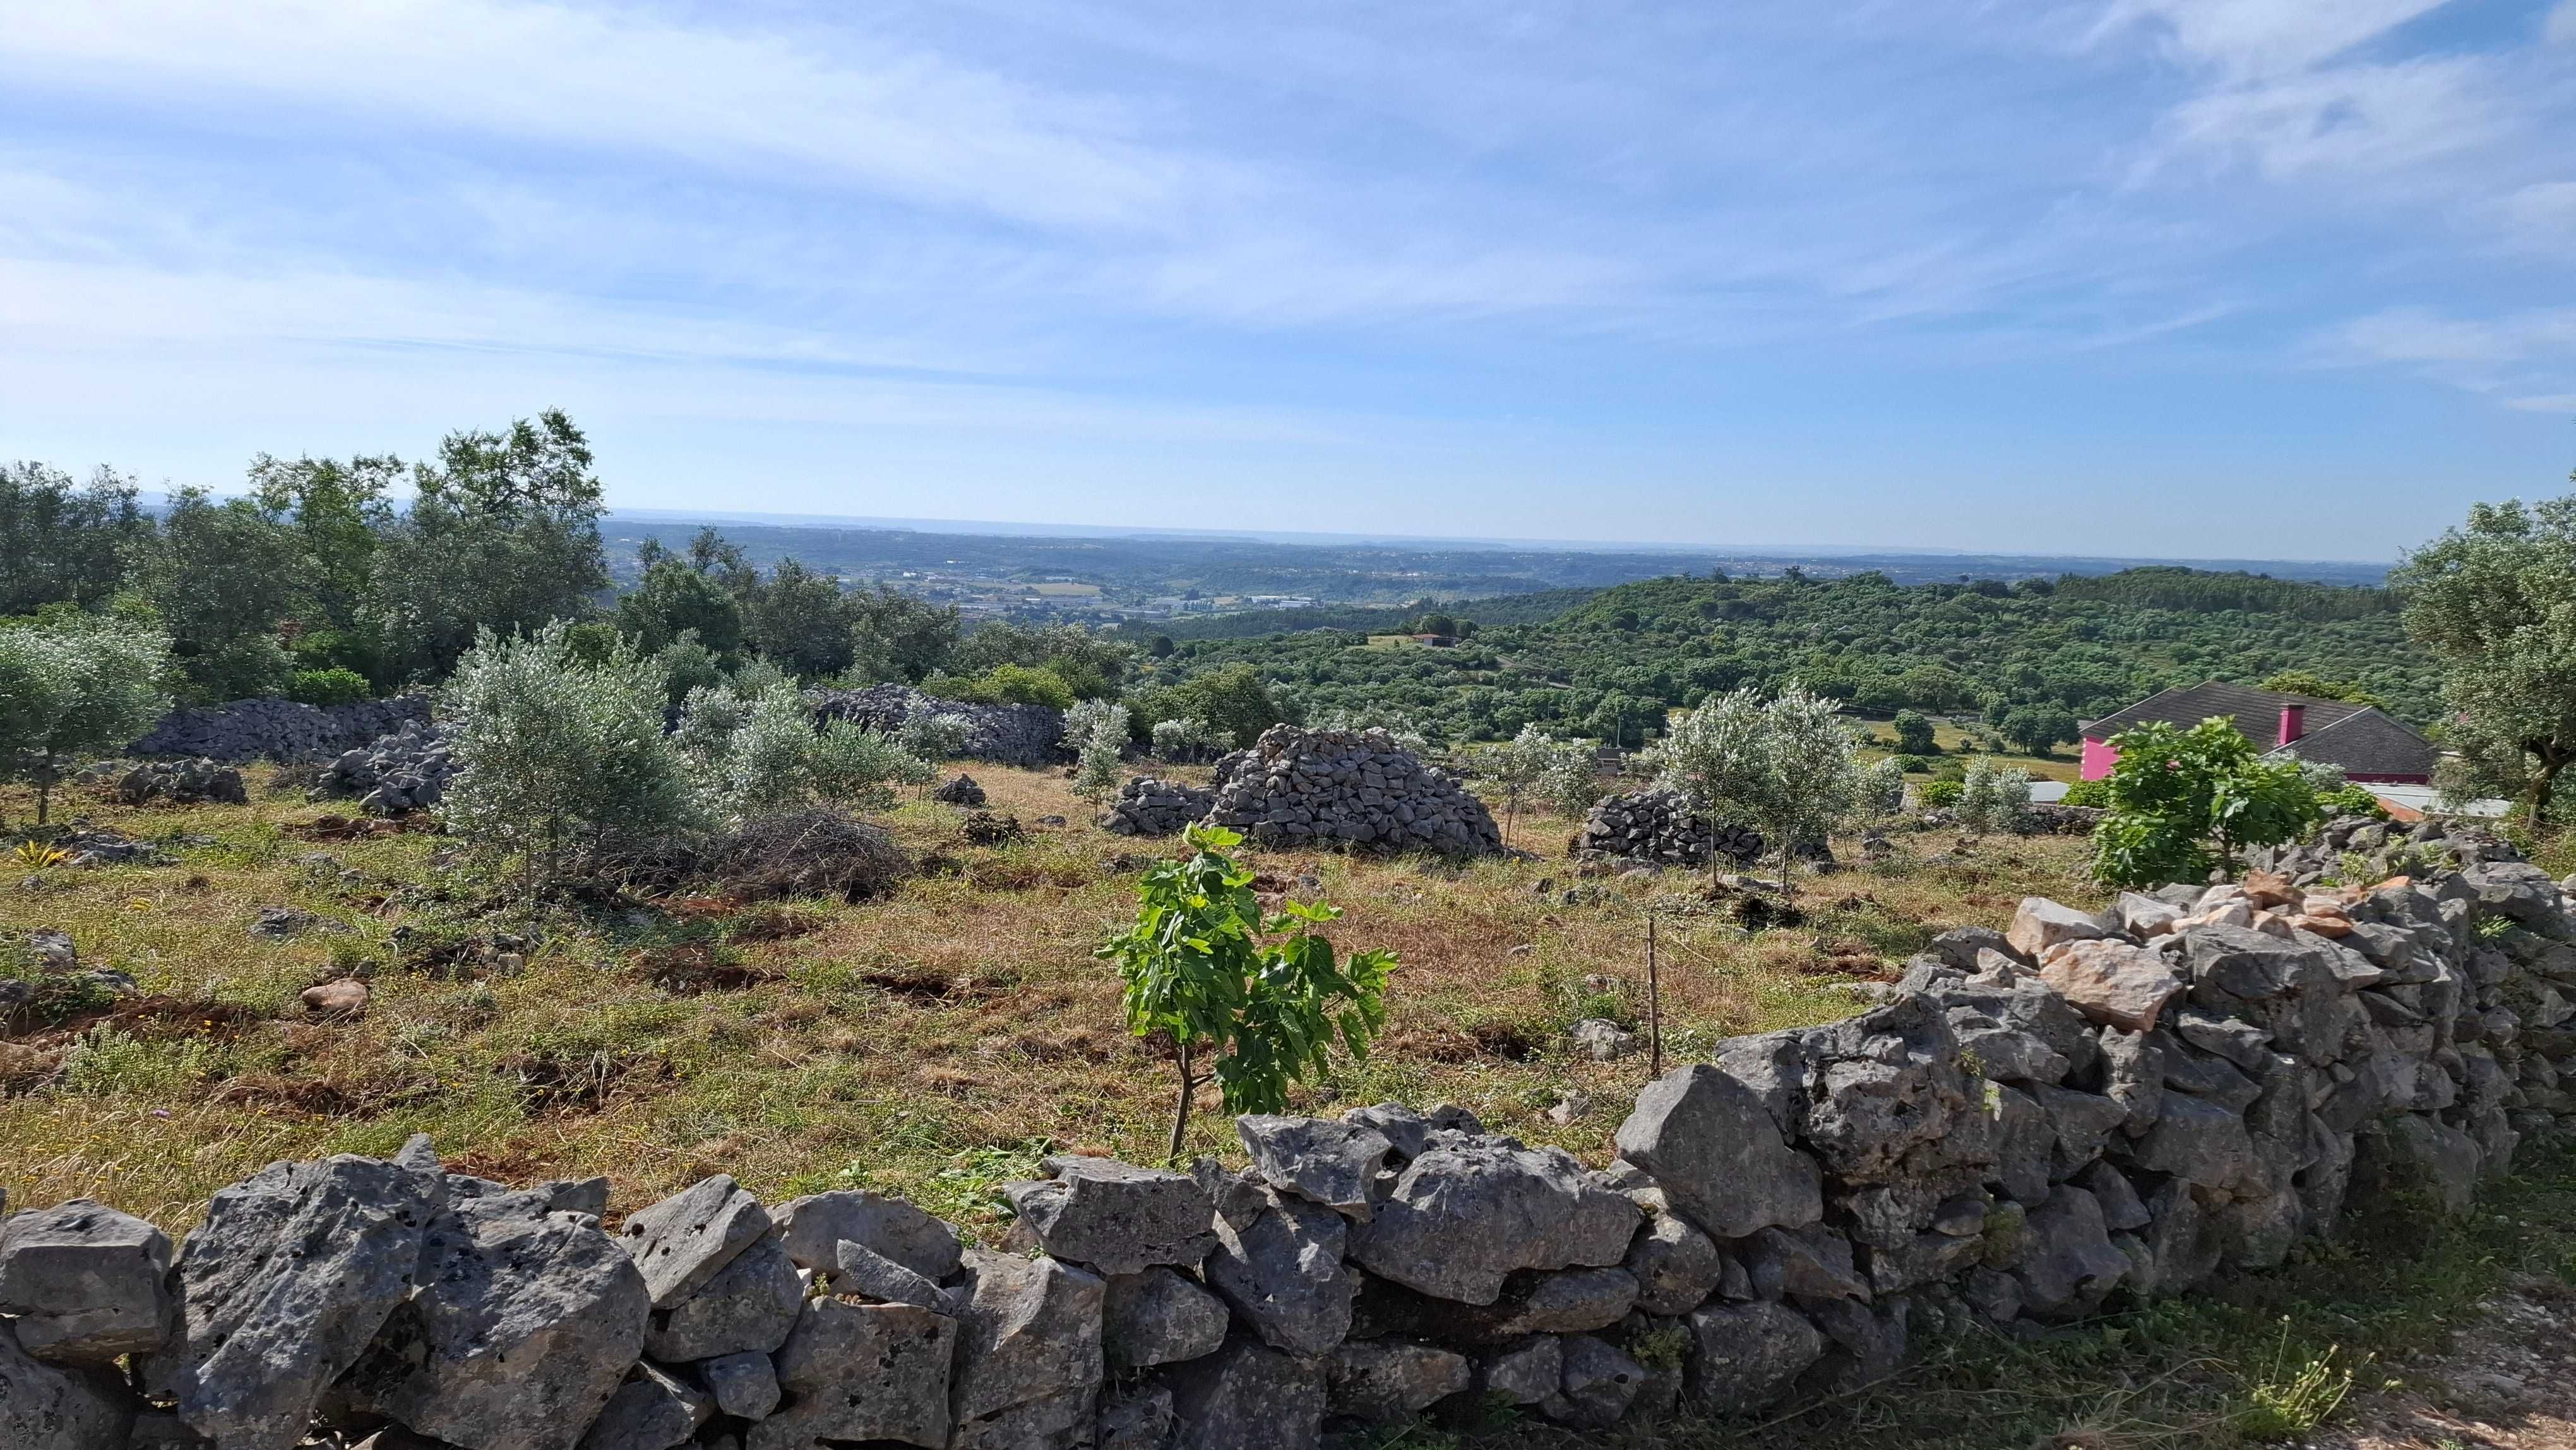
pixel 277 729
pixel 2378 849
pixel 1352 788
pixel 2160 1095
pixel 182 782
pixel 1660 827
pixel 404 772
pixel 1028 735
pixel 1149 807
pixel 959 790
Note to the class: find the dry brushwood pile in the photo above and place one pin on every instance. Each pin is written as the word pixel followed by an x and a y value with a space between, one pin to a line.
pixel 1355 789
pixel 2160 1096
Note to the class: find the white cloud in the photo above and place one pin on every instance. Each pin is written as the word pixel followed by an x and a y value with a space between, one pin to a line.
pixel 2541 217
pixel 2251 39
pixel 2560 29
pixel 865 113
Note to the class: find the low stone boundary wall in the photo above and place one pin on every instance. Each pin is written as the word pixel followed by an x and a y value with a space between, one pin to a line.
pixel 1356 789
pixel 277 729
pixel 2171 1092
pixel 1030 735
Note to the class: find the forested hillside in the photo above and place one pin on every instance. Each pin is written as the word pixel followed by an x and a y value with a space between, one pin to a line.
pixel 2086 646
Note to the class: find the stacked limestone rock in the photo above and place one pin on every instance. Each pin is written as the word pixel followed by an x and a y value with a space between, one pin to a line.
pixel 1149 807
pixel 1660 828
pixel 277 729
pixel 1007 734
pixel 2163 1094
pixel 404 772
pixel 183 782
pixel 959 790
pixel 1353 788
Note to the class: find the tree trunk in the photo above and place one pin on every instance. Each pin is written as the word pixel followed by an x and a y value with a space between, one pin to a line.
pixel 2544 784
pixel 1181 1109
pixel 44 787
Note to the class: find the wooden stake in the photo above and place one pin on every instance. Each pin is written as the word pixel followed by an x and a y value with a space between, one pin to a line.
pixel 1654 997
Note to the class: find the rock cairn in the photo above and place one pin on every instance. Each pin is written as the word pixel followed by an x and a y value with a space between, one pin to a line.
pixel 277 729
pixel 404 772
pixel 1150 807
pixel 1660 828
pixel 1353 788
pixel 1030 735
pixel 959 790
pixel 184 782
pixel 2161 1095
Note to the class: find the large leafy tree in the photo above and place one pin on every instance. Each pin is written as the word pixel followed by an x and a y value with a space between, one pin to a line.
pixel 227 579
pixel 72 685
pixel 503 535
pixel 2183 801
pixel 60 541
pixel 335 512
pixel 1260 996
pixel 674 598
pixel 799 621
pixel 894 636
pixel 2495 601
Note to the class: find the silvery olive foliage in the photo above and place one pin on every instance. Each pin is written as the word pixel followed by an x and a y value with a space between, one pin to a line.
pixel 74 685
pixel 754 753
pixel 1786 765
pixel 556 755
pixel 1097 731
pixel 1882 789
pixel 935 737
pixel 1993 798
pixel 1536 767
pixel 1184 739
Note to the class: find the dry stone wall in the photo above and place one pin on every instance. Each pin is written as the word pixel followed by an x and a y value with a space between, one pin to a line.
pixel 1005 734
pixel 2144 1100
pixel 277 729
pixel 1357 789
pixel 1149 807
pixel 1660 827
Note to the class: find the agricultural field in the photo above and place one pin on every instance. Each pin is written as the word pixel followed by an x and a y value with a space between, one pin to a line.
pixel 932 1042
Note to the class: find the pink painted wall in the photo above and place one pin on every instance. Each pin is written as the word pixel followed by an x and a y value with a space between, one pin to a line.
pixel 2098 759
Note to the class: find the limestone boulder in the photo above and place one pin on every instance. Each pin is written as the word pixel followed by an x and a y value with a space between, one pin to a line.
pixel 86 1282
pixel 524 1325
pixel 1747 1357
pixel 1388 1379
pixel 59 1407
pixel 811 1230
pixel 1030 1362
pixel 749 1305
pixel 1675 1265
pixel 1435 1232
pixel 1709 1142
pixel 1116 1217
pixel 1248 1396
pixel 1334 1164
pixel 1284 1274
pixel 1158 1317
pixel 2039 923
pixel 283 1286
pixel 650 1411
pixel 2110 982
pixel 862 1372
pixel 687 1239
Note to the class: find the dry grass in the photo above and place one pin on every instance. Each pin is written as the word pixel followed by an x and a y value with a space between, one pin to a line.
pixel 918 1043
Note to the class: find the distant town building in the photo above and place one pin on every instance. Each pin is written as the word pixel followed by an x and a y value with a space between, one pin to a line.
pixel 2371 746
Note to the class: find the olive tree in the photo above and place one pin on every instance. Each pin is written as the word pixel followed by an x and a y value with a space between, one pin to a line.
pixel 1097 731
pixel 1882 788
pixel 556 754
pixel 2495 601
pixel 1787 765
pixel 761 752
pixel 1535 765
pixel 1993 797
pixel 73 685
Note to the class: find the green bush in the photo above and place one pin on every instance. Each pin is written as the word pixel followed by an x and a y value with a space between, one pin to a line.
pixel 2095 794
pixel 329 687
pixel 1005 684
pixel 2183 801
pixel 1940 792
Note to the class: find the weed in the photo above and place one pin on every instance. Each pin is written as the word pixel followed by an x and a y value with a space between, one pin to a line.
pixel 2294 1394
pixel 36 856
pixel 105 1062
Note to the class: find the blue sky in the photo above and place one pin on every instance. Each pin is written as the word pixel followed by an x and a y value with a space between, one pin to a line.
pixel 2280 278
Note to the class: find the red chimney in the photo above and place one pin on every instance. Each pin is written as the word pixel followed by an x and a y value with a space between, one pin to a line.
pixel 2294 722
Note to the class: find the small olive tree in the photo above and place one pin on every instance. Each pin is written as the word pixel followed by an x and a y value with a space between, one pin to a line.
pixel 1537 766
pixel 1993 798
pixel 1260 997
pixel 764 753
pixel 1787 765
pixel 1188 738
pixel 556 754
pixel 1097 731
pixel 75 685
pixel 1882 788
pixel 936 737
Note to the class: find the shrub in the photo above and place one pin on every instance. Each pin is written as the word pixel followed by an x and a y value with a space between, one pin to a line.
pixel 1935 793
pixel 762 753
pixel 555 756
pixel 2093 794
pixel 1005 684
pixel 1992 797
pixel 1912 764
pixel 1097 731
pixel 1784 765
pixel 1914 734
pixel 329 687
pixel 1184 740
pixel 1882 789
pixel 1259 996
pixel 73 686
pixel 1535 765
pixel 935 737
pixel 2182 801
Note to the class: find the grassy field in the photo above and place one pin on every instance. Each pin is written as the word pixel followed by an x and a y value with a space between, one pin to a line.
pixel 929 1043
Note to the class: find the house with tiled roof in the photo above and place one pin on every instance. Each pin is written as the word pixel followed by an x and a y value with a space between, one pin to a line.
pixel 2371 746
